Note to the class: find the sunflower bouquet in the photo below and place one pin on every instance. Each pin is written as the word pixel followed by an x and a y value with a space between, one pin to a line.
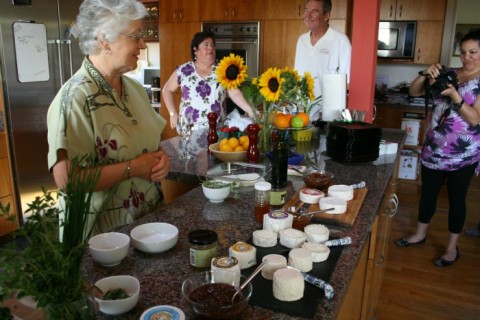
pixel 269 92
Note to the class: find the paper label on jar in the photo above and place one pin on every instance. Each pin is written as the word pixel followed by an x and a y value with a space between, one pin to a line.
pixel 202 258
pixel 278 197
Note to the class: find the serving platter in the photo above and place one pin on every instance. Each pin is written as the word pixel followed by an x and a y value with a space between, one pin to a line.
pixel 262 295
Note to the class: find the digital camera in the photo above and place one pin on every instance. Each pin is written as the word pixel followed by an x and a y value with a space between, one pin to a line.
pixel 445 78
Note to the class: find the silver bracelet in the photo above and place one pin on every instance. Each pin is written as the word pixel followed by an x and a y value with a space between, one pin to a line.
pixel 128 169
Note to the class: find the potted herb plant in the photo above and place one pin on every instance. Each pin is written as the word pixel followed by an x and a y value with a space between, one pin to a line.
pixel 48 269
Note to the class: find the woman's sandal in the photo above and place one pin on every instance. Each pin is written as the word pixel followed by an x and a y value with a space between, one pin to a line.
pixel 405 243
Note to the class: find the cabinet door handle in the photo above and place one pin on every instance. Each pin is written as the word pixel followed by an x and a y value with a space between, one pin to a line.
pixel 233 12
pixel 299 10
pixel 226 12
pixel 391 10
pixel 174 14
pixel 374 115
pixel 401 10
pixel 418 54
pixel 181 14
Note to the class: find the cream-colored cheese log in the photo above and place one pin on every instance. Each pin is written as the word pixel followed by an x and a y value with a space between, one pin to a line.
pixel 264 238
pixel 288 285
pixel 277 220
pixel 316 233
pixel 311 196
pixel 292 238
pixel 301 259
pixel 275 262
pixel 341 191
pixel 339 205
pixel 245 254
pixel 320 252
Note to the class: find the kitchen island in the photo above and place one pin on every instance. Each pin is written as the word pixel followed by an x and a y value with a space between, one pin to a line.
pixel 161 275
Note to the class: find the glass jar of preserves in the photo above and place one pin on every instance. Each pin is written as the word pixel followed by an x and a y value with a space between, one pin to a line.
pixel 262 199
pixel 203 247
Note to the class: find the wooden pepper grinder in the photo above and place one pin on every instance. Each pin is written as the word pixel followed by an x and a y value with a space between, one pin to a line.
pixel 253 154
pixel 212 132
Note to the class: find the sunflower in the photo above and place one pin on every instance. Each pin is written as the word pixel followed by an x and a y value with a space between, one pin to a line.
pixel 231 71
pixel 308 85
pixel 270 83
pixel 289 72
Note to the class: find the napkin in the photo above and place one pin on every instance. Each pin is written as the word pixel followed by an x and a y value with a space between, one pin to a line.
pixel 234 119
pixel 334 96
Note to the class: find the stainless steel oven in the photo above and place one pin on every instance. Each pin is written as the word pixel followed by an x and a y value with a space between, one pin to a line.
pixel 240 38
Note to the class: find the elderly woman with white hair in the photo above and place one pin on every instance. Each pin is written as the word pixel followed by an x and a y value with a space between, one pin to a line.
pixel 102 113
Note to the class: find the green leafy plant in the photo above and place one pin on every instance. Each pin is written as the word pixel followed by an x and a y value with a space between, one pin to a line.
pixel 57 231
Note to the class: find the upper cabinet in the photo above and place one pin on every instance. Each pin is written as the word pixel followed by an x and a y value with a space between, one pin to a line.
pixel 293 9
pixel 150 23
pixel 179 11
pixel 220 10
pixel 412 10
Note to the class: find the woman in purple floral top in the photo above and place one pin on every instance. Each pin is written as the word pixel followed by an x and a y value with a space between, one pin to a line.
pixel 451 151
pixel 201 93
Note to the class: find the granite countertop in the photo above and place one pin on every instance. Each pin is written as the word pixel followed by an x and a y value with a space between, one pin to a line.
pixel 161 275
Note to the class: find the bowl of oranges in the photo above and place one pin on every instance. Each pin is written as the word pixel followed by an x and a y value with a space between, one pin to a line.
pixel 288 121
pixel 231 149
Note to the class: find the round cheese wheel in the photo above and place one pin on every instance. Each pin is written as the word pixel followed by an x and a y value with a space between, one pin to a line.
pixel 277 220
pixel 275 262
pixel 339 205
pixel 226 270
pixel 288 285
pixel 311 196
pixel 316 233
pixel 341 191
pixel 301 259
pixel 245 254
pixel 264 238
pixel 320 252
pixel 292 238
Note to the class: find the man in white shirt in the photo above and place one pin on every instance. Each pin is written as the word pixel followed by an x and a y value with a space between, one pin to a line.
pixel 322 50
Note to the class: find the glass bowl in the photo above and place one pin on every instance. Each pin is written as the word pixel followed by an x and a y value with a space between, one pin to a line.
pixel 319 180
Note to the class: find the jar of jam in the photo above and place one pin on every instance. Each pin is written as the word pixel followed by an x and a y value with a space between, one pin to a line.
pixel 203 247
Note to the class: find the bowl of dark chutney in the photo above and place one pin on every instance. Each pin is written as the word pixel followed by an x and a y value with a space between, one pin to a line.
pixel 210 297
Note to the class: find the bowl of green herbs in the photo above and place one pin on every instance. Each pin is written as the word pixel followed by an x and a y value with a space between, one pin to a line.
pixel 117 294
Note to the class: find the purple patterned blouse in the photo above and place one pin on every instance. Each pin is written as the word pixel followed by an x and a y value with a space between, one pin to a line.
pixel 454 144
pixel 200 95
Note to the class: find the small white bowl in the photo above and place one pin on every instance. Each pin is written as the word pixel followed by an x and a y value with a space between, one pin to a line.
pixel 109 248
pixel 217 194
pixel 154 237
pixel 114 307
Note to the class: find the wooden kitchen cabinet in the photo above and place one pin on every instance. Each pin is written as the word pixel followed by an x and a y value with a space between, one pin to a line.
pixel 428 45
pixel 179 10
pixel 361 298
pixel 175 39
pixel 7 190
pixel 220 10
pixel 284 9
pixel 412 10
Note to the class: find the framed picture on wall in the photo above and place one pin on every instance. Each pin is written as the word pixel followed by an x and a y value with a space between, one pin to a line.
pixel 460 31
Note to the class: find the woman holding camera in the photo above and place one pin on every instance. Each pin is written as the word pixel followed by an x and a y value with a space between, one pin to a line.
pixel 451 151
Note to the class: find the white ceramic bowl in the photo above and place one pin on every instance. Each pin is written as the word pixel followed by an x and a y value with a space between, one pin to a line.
pixel 154 237
pixel 109 248
pixel 217 194
pixel 114 307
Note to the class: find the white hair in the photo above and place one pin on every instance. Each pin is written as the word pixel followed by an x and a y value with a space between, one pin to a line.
pixel 105 19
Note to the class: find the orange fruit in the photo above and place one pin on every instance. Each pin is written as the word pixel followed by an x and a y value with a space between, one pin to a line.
pixel 245 146
pixel 238 149
pixel 226 147
pixel 233 142
pixel 305 118
pixel 289 116
pixel 243 140
pixel 282 121
pixel 224 141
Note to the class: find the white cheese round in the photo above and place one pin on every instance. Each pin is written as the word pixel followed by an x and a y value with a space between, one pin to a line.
pixel 292 238
pixel 264 238
pixel 275 262
pixel 320 252
pixel 301 259
pixel 226 270
pixel 316 233
pixel 288 285
pixel 341 191
pixel 277 220
pixel 245 254
pixel 311 196
pixel 339 205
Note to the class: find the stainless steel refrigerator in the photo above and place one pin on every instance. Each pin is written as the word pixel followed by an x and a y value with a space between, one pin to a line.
pixel 27 98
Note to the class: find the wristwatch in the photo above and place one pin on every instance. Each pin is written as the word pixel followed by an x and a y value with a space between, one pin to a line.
pixel 457 106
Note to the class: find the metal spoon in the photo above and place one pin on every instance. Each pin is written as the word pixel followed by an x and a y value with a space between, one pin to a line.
pixel 254 273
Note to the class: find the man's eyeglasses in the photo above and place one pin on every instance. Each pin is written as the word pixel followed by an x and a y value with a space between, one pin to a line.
pixel 443 118
pixel 136 37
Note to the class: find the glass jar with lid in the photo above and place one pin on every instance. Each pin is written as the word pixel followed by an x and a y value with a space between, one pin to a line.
pixel 203 247
pixel 262 199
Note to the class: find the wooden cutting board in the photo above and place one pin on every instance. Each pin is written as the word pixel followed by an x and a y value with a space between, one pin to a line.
pixel 345 219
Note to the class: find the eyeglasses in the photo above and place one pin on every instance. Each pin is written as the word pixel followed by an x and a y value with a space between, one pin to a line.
pixel 136 37
pixel 443 118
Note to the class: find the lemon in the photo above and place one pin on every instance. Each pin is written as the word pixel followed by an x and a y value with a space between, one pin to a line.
pixel 226 147
pixel 233 142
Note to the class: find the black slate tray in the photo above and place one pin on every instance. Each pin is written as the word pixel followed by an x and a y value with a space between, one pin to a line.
pixel 262 295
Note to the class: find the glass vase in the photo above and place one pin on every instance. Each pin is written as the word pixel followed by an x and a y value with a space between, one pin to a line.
pixel 82 309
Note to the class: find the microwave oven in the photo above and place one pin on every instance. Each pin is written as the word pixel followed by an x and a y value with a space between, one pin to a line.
pixel 396 39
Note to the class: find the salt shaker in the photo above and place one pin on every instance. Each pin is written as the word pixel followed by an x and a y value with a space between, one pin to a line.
pixel 253 154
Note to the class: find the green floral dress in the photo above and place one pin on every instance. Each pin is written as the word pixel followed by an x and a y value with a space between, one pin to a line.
pixel 87 117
